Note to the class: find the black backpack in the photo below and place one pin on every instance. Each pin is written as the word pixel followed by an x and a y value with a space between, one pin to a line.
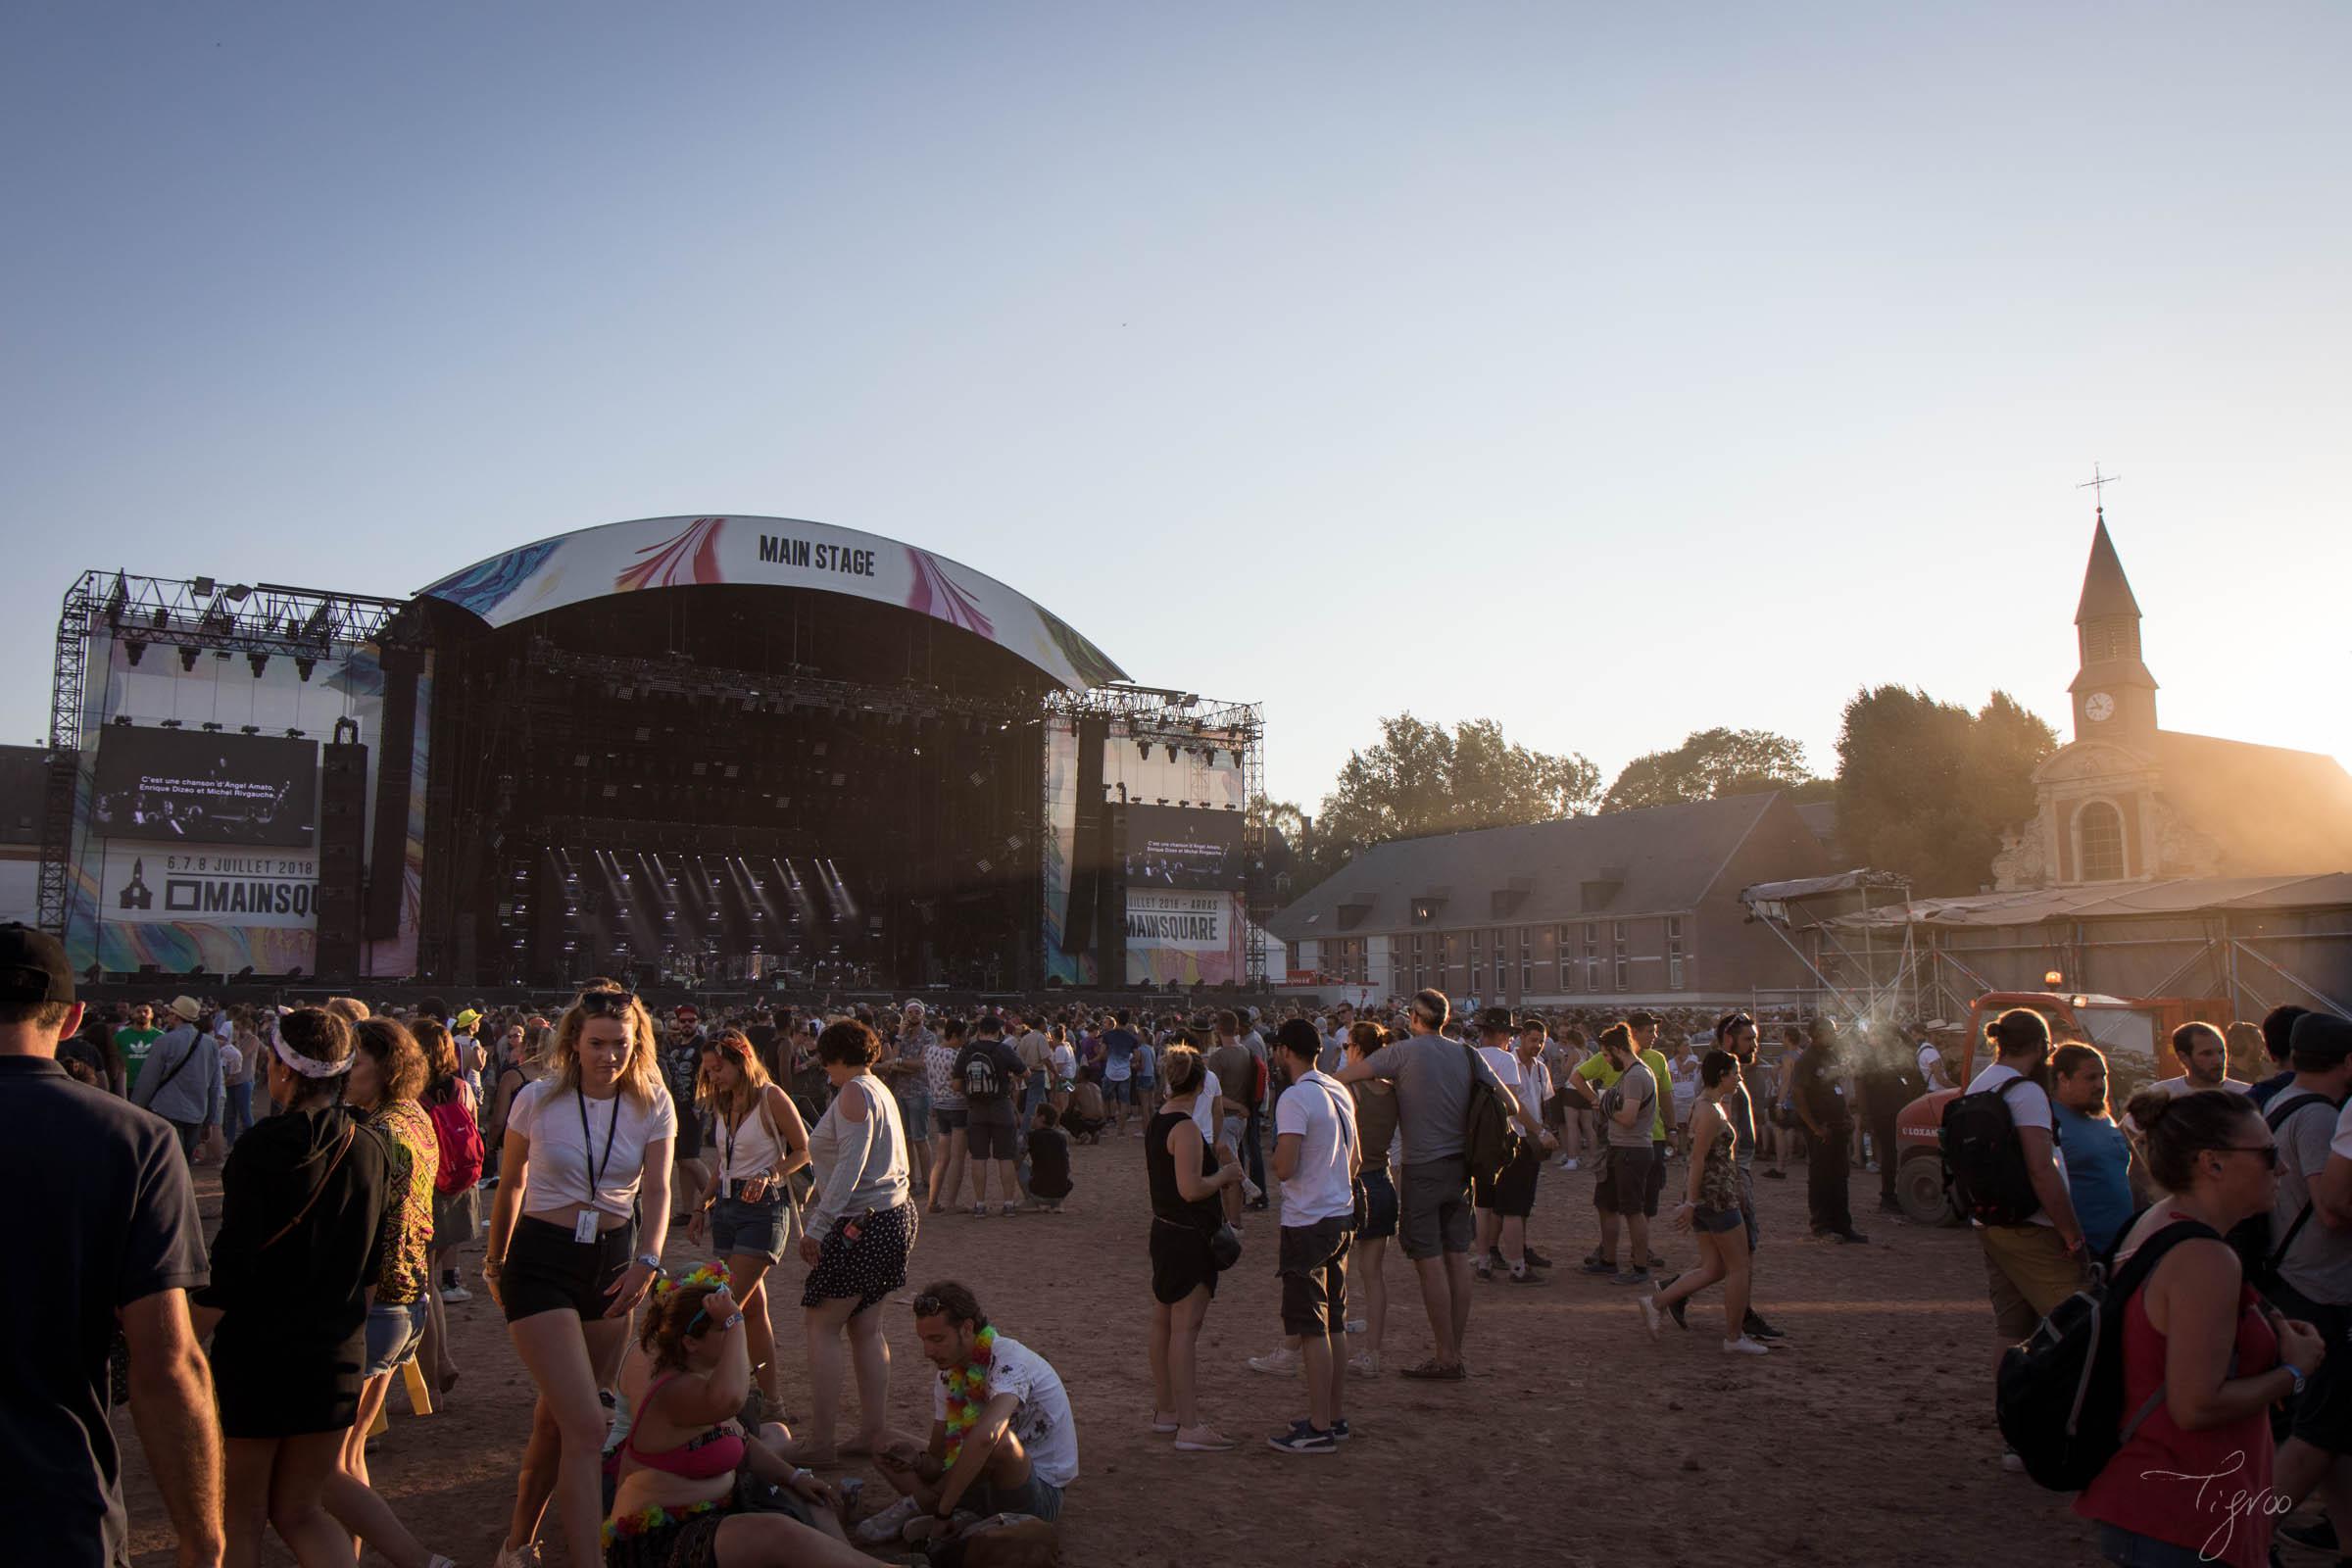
pixel 2060 1394
pixel 982 1085
pixel 1490 1141
pixel 1983 1162
pixel 2251 1239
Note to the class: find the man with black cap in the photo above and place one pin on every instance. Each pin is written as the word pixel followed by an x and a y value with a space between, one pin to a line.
pixel 111 1240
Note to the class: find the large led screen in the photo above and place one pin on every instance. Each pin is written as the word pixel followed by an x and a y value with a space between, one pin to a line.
pixel 184 786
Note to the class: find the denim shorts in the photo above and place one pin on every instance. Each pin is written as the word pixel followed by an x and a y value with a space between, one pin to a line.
pixel 1716 1221
pixel 948 1121
pixel 738 1226
pixel 393 1335
pixel 1118 1091
pixel 1032 1496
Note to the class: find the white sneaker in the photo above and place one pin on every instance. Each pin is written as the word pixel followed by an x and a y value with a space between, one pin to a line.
pixel 1250 1191
pixel 1357 1325
pixel 1650 1315
pixel 1570 1164
pixel 2013 1463
pixel 1364 1364
pixel 887 1525
pixel 1743 1346
pixel 1280 1362
pixel 456 1293
pixel 525 1556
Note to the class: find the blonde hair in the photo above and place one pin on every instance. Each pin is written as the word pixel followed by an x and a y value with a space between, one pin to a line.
pixel 738 1045
pixel 639 1075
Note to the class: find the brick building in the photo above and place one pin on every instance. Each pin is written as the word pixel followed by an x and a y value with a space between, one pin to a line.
pixel 1624 908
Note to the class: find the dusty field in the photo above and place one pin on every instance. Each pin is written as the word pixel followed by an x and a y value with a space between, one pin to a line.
pixel 1577 1441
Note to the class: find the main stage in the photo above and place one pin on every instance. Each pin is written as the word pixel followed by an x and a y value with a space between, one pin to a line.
pixel 717 753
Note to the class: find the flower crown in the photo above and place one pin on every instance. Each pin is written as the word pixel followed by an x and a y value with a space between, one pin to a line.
pixel 707 1275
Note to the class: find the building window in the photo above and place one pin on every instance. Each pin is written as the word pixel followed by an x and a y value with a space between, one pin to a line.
pixel 1674 953
pixel 1592 955
pixel 2101 830
pixel 1527 977
pixel 1477 939
pixel 1617 953
pixel 1478 979
pixel 1416 945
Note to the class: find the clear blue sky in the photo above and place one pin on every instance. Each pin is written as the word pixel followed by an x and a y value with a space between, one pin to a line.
pixel 1711 362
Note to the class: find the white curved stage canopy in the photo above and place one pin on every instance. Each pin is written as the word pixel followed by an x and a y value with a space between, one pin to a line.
pixel 621 558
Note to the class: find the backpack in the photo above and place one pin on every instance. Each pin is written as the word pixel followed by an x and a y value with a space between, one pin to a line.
pixel 981 1084
pixel 2250 1239
pixel 2060 1394
pixel 1490 1143
pixel 1983 1162
pixel 461 1143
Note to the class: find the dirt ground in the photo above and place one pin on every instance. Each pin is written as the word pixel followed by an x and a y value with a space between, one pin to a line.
pixel 1576 1441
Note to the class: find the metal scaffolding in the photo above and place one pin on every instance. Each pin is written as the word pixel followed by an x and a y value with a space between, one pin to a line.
pixel 189 616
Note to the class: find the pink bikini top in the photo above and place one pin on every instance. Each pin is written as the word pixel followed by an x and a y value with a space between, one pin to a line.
pixel 715 1453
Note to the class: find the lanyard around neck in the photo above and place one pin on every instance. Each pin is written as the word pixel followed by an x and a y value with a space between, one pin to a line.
pixel 597 1178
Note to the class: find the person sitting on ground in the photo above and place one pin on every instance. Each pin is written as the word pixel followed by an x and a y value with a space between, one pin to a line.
pixel 1087 1115
pixel 686 1460
pixel 1048 1161
pixel 1711 1210
pixel 1003 1438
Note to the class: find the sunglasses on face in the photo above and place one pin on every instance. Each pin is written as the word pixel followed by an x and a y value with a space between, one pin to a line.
pixel 2268 1151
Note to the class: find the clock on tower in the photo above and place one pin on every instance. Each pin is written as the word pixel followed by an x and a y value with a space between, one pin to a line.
pixel 2115 696
pixel 2098 707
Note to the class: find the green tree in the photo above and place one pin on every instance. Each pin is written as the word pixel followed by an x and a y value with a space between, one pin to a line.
pixel 1709 765
pixel 1927 788
pixel 1421 778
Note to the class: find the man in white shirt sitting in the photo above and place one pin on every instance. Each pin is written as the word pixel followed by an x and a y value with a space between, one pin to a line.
pixel 1003 1438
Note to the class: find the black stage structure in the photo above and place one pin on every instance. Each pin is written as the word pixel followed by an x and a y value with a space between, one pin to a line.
pixel 734 777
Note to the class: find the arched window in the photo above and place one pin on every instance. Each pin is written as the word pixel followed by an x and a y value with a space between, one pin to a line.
pixel 2100 830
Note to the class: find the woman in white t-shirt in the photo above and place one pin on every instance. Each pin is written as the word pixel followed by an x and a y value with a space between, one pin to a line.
pixel 565 1257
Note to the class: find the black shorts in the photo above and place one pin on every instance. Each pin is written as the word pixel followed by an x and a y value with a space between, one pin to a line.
pixel 1180 1261
pixel 1625 1175
pixel 545 1271
pixel 1512 1193
pixel 994 1134
pixel 1312 1260
pixel 688 1140
pixel 2321 1414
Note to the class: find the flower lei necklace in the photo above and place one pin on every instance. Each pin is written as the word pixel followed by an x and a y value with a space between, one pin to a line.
pixel 968 1392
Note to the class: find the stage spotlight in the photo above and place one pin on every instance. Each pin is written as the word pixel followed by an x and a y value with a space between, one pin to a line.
pixel 249 729
pixel 257 662
pixel 212 726
pixel 294 734
pixel 170 724
pixel 1143 749
pixel 137 651
pixel 203 587
pixel 122 719
pixel 1171 754
pixel 303 667
pixel 187 660
pixel 237 593
pixel 160 618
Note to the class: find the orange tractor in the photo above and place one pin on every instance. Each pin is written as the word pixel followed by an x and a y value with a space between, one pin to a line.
pixel 2134 1034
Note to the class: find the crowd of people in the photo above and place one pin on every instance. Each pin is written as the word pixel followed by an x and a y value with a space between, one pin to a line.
pixel 376 1147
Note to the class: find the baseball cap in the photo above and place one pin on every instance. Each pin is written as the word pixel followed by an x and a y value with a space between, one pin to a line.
pixel 1494 1020
pixel 32 966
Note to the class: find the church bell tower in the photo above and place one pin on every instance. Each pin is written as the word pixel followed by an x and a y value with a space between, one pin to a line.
pixel 2114 694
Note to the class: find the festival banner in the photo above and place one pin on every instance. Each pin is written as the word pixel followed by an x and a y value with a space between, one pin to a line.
pixel 1190 938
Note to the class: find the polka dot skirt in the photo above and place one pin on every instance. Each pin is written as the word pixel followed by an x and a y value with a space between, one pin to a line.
pixel 868 1268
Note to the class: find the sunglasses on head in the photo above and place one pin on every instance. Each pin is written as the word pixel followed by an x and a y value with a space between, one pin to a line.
pixel 607 1004
pixel 929 1307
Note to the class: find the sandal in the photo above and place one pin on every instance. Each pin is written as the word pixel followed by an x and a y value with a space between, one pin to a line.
pixel 1435 1371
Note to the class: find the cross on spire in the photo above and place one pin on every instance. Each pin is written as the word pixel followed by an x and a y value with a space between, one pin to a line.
pixel 2097 484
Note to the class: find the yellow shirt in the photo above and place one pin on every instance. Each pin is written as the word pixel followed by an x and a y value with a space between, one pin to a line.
pixel 1596 1070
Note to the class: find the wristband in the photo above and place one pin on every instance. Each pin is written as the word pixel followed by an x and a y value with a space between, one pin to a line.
pixel 654 1263
pixel 734 1322
pixel 2293 1371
